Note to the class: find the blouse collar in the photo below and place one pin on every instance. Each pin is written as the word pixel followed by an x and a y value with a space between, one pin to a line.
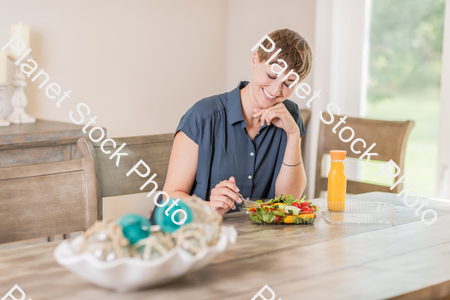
pixel 234 105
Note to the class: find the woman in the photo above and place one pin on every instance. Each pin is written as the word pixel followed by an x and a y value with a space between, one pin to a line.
pixel 245 141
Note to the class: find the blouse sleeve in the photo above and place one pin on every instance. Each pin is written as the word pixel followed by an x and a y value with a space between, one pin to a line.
pixel 190 123
pixel 300 124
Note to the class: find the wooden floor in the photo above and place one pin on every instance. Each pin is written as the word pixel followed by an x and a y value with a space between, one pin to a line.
pixel 408 261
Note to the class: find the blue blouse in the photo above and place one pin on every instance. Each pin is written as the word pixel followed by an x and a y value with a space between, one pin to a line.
pixel 217 126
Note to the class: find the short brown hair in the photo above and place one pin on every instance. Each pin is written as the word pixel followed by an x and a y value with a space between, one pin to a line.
pixel 295 51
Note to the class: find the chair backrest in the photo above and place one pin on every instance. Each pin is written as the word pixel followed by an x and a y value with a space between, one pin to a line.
pixel 390 138
pixel 154 150
pixel 306 116
pixel 47 199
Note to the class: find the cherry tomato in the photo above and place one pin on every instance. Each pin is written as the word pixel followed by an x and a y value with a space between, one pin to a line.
pixel 278 219
pixel 305 203
pixel 303 208
pixel 297 204
pixel 308 211
pixel 252 209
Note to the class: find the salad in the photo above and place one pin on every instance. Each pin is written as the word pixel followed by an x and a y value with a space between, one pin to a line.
pixel 283 210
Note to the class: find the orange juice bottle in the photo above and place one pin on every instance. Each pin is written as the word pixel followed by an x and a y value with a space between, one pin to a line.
pixel 337 181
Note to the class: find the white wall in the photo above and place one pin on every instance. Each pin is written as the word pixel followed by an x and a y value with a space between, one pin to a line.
pixel 139 65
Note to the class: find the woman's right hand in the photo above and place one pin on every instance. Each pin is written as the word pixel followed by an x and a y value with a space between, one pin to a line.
pixel 223 196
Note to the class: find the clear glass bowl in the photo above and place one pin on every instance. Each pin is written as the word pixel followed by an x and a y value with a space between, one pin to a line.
pixel 357 212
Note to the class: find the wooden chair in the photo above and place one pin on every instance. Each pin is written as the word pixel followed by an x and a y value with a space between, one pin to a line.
pixel 47 199
pixel 306 117
pixel 154 150
pixel 390 138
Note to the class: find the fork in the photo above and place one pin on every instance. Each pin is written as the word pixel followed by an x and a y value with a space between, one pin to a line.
pixel 248 203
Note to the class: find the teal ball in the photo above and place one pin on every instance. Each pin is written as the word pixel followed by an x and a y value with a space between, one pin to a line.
pixel 134 227
pixel 166 222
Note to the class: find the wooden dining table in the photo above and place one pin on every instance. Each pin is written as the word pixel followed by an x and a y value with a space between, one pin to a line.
pixel 405 260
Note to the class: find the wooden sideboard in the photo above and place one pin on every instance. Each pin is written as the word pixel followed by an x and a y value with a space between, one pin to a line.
pixel 41 142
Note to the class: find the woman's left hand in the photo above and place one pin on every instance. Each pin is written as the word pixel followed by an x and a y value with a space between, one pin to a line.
pixel 277 115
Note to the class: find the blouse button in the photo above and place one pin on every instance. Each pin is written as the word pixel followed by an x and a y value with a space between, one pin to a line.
pixel 251 153
pixel 249 176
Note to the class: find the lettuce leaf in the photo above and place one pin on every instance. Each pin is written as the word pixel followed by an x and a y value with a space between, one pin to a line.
pixel 265 216
pixel 299 220
pixel 255 218
pixel 279 213
pixel 275 200
pixel 289 200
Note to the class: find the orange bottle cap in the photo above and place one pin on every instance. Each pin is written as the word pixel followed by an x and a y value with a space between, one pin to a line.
pixel 338 154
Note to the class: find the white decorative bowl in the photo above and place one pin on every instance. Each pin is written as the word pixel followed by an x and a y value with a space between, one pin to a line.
pixel 129 273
